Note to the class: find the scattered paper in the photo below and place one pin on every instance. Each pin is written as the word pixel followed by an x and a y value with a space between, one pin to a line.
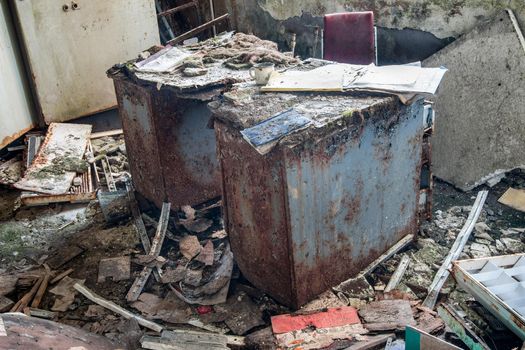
pixel 165 60
pixel 411 78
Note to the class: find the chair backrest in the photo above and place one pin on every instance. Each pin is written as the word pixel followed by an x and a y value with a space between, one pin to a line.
pixel 349 37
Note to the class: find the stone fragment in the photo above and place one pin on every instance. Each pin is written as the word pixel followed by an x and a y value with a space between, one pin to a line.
pixel 513 245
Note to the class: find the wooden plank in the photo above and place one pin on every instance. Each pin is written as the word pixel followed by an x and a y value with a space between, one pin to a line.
pixel 198 29
pixel 60 276
pixel 398 274
pixel 156 245
pixel 117 309
pixel 64 144
pixel 156 343
pixel 454 253
pixel 97 135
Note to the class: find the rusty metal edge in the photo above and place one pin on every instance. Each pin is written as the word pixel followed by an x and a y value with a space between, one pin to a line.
pixel 8 139
pixel 515 322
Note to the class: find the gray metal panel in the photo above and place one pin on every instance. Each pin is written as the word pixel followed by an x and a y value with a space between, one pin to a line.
pixel 15 99
pixel 68 52
pixel 350 200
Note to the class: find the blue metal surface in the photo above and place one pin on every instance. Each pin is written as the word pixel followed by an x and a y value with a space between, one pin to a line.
pixel 313 212
pixel 171 149
pixel 350 201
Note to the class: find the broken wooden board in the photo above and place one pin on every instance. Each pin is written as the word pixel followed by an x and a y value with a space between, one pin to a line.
pixel 58 160
pixel 61 257
pixel 242 314
pixel 387 315
pixel 481 103
pixel 454 253
pixel 514 198
pixel 24 332
pixel 65 293
pixel 5 303
pixel 116 269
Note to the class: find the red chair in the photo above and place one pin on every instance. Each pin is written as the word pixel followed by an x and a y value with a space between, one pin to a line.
pixel 350 37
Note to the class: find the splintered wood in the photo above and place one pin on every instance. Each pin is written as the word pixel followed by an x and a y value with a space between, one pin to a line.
pixel 156 245
pixel 53 169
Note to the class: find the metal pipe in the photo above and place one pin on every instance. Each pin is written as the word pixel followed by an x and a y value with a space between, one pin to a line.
pixel 212 12
pixel 197 30
pixel 178 9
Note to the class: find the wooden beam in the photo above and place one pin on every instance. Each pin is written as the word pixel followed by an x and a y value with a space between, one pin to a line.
pixel 197 30
pixel 117 309
pixel 455 251
pixel 398 274
pixel 178 8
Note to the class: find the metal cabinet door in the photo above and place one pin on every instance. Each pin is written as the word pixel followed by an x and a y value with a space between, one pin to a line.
pixel 15 97
pixel 69 45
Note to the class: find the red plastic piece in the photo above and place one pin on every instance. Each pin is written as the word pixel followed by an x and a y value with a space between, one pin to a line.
pixel 204 309
pixel 349 37
pixel 334 317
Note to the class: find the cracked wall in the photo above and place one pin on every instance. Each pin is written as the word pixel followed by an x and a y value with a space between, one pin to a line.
pixel 408 30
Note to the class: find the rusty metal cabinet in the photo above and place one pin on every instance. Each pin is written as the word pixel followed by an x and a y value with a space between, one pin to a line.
pixel 70 44
pixel 328 199
pixel 171 149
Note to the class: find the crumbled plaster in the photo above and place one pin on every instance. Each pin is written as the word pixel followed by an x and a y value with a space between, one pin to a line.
pixel 443 18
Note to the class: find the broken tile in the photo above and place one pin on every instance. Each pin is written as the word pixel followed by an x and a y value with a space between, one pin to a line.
pixel 219 234
pixel 206 255
pixel 170 309
pixel 116 269
pixel 482 230
pixel 188 211
pixel 242 313
pixel 387 315
pixel 469 147
pixel 477 250
pixel 333 317
pixel 189 247
pixel 198 225
pixel 356 288
pixel 95 311
pixel 171 275
pixel 513 245
pixel 65 293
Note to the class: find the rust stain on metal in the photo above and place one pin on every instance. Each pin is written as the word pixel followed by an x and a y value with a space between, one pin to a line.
pixel 171 150
pixel 254 213
pixel 8 139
